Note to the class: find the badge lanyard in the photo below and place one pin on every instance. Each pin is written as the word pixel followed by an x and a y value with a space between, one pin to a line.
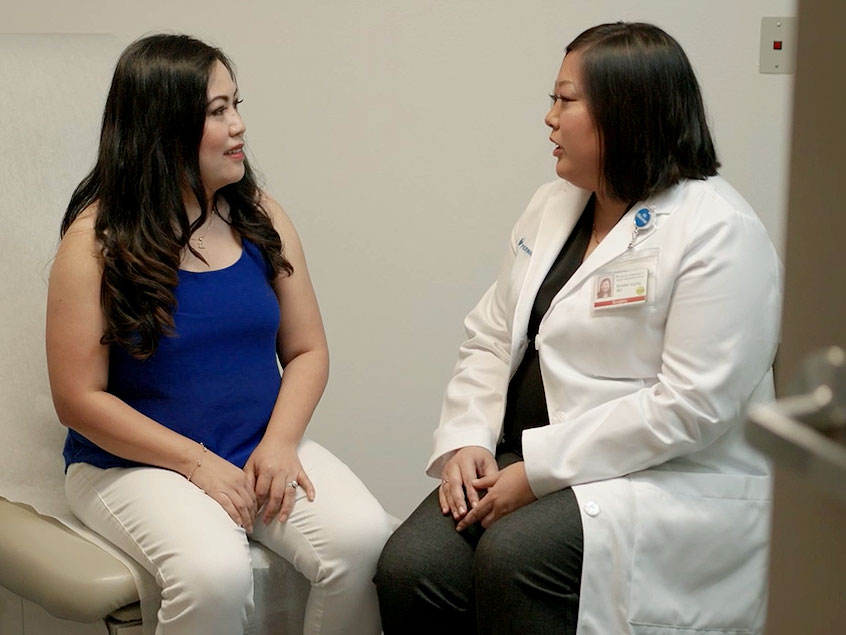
pixel 625 283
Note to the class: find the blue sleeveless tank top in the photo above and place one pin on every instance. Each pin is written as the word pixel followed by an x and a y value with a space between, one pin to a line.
pixel 216 379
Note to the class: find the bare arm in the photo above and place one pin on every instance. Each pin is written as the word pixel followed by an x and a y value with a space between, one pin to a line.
pixel 304 355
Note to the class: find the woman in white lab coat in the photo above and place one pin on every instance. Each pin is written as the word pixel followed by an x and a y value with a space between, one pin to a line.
pixel 590 449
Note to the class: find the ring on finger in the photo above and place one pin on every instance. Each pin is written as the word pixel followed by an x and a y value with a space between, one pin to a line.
pixel 293 484
pixel 444 482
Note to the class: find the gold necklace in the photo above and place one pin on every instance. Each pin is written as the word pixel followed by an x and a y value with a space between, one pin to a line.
pixel 595 236
pixel 201 240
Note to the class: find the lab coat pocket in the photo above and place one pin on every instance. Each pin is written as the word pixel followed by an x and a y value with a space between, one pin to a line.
pixel 623 345
pixel 700 552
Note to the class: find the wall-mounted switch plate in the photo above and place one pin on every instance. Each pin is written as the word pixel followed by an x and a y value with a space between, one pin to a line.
pixel 778 45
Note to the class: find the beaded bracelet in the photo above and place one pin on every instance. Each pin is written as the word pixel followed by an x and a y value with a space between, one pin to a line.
pixel 190 475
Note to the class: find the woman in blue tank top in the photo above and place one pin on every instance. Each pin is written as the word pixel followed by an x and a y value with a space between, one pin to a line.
pixel 178 291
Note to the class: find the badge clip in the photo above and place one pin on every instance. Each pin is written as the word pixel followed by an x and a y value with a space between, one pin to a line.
pixel 642 220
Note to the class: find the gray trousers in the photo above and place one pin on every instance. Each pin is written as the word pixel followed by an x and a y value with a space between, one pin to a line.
pixel 520 576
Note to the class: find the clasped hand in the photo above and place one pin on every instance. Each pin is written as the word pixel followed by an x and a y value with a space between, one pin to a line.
pixel 473 488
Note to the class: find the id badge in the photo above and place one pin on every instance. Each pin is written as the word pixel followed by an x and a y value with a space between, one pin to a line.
pixel 626 282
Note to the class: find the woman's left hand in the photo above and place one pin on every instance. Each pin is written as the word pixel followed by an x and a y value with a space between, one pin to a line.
pixel 273 470
pixel 507 490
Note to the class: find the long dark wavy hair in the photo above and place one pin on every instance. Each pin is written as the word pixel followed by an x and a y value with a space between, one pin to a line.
pixel 647 107
pixel 148 156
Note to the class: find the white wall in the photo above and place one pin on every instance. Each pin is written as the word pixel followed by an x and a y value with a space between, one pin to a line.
pixel 404 138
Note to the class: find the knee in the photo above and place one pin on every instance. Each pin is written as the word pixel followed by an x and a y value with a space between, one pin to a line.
pixel 217 583
pixel 406 563
pixel 423 581
pixel 499 556
pixel 352 549
pixel 509 557
pixel 392 566
pixel 364 536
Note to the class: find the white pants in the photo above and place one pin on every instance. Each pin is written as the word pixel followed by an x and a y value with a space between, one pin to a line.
pixel 200 557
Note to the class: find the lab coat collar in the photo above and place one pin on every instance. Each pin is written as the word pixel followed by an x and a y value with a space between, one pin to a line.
pixel 561 212
pixel 616 242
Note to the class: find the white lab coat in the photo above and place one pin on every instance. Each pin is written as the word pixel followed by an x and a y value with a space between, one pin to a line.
pixel 646 403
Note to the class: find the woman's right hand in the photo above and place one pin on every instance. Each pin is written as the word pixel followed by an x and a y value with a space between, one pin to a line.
pixel 456 493
pixel 229 486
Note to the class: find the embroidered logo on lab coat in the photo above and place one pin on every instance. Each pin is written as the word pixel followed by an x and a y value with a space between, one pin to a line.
pixel 522 245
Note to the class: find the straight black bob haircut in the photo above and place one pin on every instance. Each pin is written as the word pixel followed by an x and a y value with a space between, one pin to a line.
pixel 648 109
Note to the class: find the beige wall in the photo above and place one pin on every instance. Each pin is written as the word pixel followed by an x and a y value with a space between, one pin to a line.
pixel 404 137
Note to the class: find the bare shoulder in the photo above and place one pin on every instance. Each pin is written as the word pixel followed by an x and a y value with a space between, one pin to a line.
pixel 278 216
pixel 79 246
pixel 83 225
